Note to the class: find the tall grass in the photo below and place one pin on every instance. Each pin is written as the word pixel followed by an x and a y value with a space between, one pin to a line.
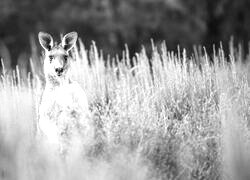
pixel 167 116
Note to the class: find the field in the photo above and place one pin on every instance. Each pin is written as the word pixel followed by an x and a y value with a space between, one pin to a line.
pixel 160 115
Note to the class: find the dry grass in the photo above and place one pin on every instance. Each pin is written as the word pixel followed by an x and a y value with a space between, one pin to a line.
pixel 178 118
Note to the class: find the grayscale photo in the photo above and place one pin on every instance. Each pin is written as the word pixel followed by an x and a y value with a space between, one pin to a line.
pixel 124 90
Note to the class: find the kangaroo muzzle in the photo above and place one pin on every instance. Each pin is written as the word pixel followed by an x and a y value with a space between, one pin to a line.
pixel 59 71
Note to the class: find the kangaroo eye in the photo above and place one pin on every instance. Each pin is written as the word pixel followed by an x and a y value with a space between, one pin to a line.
pixel 51 58
pixel 65 58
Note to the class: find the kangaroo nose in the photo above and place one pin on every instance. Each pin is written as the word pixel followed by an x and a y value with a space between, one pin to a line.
pixel 59 70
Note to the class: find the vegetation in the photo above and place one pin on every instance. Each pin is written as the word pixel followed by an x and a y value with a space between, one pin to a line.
pixel 111 23
pixel 167 116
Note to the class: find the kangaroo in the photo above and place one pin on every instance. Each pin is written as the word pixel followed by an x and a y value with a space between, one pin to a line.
pixel 63 110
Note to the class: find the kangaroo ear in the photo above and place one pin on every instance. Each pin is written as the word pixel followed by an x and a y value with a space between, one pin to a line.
pixel 45 40
pixel 69 40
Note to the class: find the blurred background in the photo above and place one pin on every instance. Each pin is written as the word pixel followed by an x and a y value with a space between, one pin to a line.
pixel 112 23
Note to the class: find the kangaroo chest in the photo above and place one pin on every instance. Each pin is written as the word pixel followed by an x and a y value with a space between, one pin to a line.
pixel 61 104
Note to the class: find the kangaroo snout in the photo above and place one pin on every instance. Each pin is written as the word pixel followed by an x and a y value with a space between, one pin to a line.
pixel 59 71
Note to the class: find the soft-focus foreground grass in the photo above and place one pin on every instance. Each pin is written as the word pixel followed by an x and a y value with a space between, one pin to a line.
pixel 176 117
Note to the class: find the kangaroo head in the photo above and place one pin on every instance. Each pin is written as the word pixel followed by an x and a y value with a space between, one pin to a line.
pixel 57 59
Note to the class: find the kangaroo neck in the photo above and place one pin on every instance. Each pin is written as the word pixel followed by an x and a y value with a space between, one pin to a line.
pixel 54 82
